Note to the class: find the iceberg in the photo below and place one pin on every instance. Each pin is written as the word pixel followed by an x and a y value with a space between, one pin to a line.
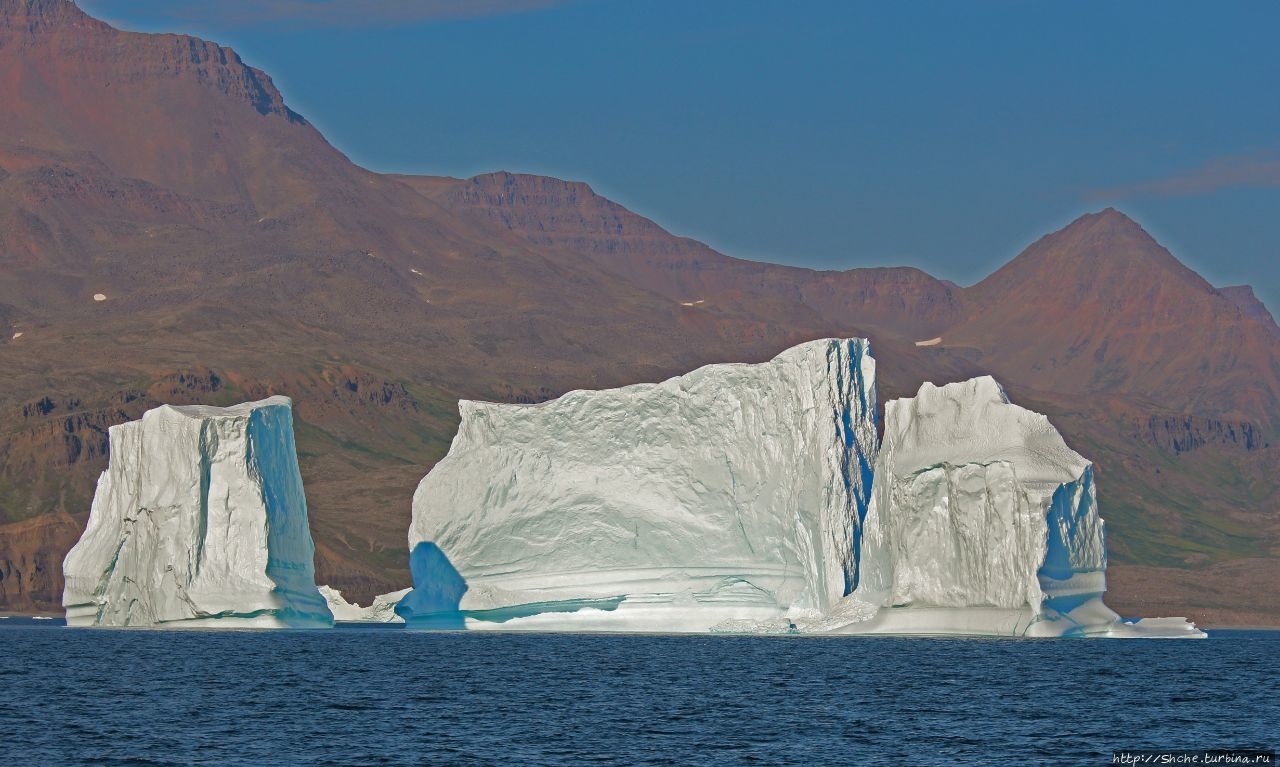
pixel 982 521
pixel 383 609
pixel 758 498
pixel 199 521
pixel 733 493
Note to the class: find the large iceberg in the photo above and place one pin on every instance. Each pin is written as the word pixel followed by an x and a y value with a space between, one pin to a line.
pixel 741 498
pixel 982 520
pixel 733 493
pixel 199 520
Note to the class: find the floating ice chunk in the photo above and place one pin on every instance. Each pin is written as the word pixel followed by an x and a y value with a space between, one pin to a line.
pixel 199 520
pixel 383 609
pixel 1156 628
pixel 734 492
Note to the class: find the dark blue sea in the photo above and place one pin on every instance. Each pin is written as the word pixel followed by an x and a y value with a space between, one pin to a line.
pixel 395 697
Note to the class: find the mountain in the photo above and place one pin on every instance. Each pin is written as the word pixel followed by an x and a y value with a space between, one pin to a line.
pixel 1101 291
pixel 1249 303
pixel 1160 378
pixel 570 217
pixel 238 255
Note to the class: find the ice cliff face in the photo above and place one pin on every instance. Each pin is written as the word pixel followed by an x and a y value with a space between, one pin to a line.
pixel 733 492
pixel 199 520
pixel 979 504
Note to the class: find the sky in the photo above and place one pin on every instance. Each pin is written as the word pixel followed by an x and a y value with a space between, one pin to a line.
pixel 942 135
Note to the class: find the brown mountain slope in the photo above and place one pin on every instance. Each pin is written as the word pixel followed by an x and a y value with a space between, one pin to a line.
pixel 222 197
pixel 240 255
pixel 1101 308
pixel 1249 303
pixel 569 216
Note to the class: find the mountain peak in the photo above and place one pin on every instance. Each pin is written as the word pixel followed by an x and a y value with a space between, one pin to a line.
pixel 1108 223
pixel 41 15
pixel 1099 306
pixel 95 50
pixel 48 8
pixel 74 82
pixel 1111 214
pixel 1103 252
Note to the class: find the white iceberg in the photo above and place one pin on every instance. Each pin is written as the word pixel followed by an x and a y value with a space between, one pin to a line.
pixel 199 520
pixel 382 610
pixel 983 521
pixel 756 498
pixel 732 493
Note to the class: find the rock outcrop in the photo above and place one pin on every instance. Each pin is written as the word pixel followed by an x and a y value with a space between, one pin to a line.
pixel 30 571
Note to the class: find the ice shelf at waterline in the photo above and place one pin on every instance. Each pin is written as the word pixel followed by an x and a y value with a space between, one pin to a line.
pixel 383 609
pixel 734 492
pixel 739 498
pixel 982 520
pixel 199 520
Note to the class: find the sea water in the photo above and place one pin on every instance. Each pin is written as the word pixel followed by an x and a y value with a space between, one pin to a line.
pixel 395 697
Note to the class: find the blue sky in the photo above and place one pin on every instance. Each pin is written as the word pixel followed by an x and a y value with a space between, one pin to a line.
pixel 943 135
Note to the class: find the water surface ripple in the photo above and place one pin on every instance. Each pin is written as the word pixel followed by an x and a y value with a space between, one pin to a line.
pixel 392 697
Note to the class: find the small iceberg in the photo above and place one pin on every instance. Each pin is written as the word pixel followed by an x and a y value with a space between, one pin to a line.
pixel 383 609
pixel 198 521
